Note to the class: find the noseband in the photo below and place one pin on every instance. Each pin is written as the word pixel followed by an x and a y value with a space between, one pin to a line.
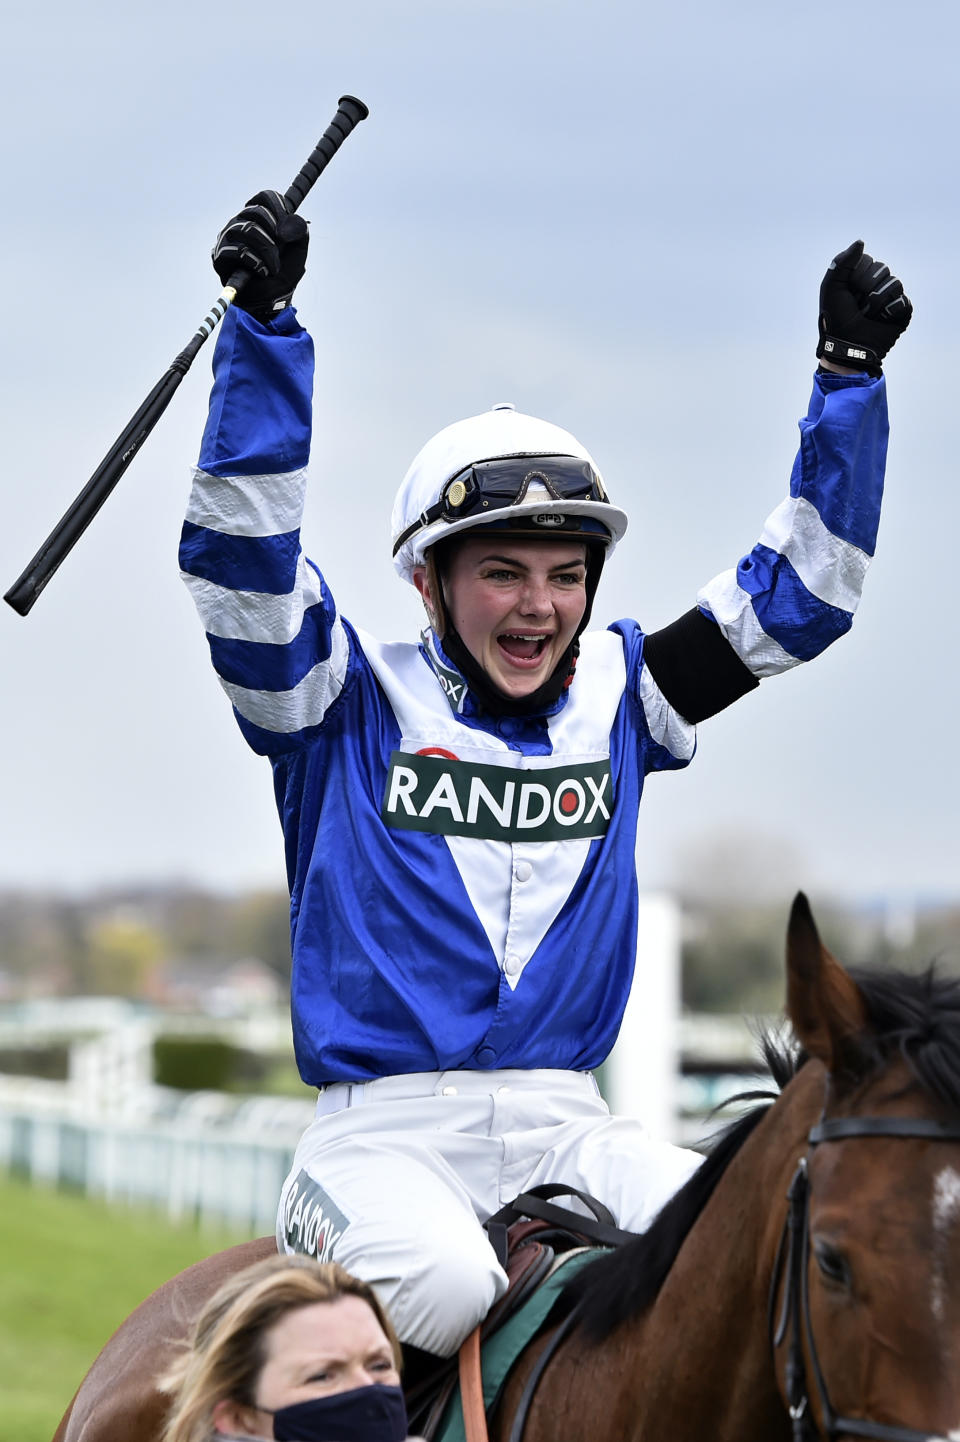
pixel 792 1260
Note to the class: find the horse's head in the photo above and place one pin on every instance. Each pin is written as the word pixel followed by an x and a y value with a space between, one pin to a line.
pixel 868 1316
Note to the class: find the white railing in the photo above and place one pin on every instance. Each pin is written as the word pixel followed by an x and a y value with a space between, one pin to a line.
pixel 200 1155
pixel 109 1132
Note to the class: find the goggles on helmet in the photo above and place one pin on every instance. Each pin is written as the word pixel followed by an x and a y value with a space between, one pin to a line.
pixel 496 484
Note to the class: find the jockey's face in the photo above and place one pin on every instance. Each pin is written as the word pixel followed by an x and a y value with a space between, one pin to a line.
pixel 314 1351
pixel 516 604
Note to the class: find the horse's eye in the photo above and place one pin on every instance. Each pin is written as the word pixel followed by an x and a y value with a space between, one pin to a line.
pixel 832 1264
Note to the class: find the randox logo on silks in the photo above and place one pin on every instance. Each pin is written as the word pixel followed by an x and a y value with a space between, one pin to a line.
pixel 312 1221
pixel 497 803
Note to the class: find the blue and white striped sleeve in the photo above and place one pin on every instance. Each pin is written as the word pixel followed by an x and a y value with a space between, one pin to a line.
pixel 799 587
pixel 276 640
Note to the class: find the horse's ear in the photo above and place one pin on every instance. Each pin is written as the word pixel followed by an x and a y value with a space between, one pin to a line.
pixel 824 1004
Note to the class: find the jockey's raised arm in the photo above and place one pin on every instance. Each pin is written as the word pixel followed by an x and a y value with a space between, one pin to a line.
pixel 796 591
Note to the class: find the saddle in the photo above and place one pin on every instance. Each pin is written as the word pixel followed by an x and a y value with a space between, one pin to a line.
pixel 528 1235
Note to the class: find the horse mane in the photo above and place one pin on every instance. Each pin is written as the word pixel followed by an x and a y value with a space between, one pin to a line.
pixel 912 1016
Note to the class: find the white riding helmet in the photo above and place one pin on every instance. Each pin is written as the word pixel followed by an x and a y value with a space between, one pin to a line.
pixel 502 468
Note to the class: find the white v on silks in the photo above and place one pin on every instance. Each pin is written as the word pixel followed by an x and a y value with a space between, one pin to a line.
pixel 393 1175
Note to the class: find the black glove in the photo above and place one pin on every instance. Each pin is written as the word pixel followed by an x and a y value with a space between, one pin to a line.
pixel 863 311
pixel 271 245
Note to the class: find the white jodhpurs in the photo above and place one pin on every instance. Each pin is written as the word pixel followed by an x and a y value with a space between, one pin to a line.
pixel 394 1177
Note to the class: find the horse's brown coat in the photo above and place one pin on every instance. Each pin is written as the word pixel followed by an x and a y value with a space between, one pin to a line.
pixel 697 1363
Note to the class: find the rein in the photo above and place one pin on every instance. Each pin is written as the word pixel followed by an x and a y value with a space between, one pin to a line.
pixel 793 1254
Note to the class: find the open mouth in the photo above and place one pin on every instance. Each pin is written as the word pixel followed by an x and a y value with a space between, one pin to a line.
pixel 522 649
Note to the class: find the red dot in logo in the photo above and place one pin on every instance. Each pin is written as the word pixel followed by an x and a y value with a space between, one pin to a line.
pixel 569 802
pixel 438 751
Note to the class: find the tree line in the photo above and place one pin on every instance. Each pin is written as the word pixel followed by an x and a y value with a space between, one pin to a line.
pixel 118 941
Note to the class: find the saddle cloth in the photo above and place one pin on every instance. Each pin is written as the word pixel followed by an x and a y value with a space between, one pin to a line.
pixel 503 1346
pixel 539 1244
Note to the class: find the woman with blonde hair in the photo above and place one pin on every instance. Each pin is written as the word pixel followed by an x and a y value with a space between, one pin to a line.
pixel 290 1349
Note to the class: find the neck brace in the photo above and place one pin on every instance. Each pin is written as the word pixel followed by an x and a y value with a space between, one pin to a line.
pixel 489 697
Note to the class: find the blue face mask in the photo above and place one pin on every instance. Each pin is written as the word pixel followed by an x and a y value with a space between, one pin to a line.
pixel 366 1414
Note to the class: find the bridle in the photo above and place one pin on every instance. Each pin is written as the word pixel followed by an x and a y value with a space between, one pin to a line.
pixel 793 1254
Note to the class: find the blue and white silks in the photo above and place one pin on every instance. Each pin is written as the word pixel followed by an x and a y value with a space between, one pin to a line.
pixel 421 943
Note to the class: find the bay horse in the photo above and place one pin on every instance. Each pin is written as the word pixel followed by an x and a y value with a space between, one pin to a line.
pixel 804 1283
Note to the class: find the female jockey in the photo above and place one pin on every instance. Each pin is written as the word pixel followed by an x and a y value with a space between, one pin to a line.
pixel 460 814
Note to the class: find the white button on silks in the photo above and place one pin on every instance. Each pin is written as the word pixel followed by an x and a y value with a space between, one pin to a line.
pixel 523 871
pixel 449 1092
pixel 512 965
pixel 502 1090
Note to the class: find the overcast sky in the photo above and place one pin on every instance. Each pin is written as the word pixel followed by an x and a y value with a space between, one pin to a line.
pixel 616 215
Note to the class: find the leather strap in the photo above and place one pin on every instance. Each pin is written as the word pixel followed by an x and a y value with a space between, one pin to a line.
pixel 471 1389
pixel 533 1381
pixel 836 1129
pixel 599 1228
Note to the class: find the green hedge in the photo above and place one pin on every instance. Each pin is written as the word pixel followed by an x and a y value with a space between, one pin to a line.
pixel 206 1063
pixel 49 1062
pixel 203 1063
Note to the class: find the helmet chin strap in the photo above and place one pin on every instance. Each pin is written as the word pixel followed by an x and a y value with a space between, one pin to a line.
pixel 488 694
pixel 483 688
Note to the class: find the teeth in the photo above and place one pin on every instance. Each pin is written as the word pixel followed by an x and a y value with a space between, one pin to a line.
pixel 537 644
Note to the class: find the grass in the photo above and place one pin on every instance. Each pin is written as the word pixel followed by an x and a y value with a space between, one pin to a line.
pixel 71 1269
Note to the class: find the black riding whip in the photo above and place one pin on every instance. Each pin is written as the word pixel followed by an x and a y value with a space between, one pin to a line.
pixel 77 518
